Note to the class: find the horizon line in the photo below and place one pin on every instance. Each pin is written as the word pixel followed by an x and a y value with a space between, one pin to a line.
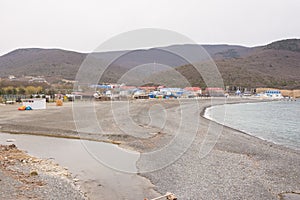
pixel 141 48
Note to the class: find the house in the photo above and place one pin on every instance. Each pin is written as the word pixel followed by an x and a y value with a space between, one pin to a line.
pixel 171 92
pixel 11 77
pixel 215 92
pixel 196 91
pixel 127 90
pixel 38 80
pixel 160 87
pixel 148 88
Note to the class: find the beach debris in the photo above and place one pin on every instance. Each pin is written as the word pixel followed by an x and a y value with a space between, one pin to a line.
pixel 171 197
pixel 10 140
pixel 22 108
pixel 25 108
pixel 59 102
pixel 289 195
pixel 167 196
pixel 33 173
pixel 28 108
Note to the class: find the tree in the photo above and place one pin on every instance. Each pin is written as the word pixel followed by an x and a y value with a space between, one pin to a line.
pixel 14 91
pixel 30 90
pixel 21 91
pixel 8 90
pixel 39 89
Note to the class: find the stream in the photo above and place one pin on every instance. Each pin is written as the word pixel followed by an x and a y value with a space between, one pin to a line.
pixel 97 179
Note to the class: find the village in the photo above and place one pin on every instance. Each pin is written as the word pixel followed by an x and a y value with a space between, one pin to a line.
pixel 117 92
pixel 28 89
pixel 122 91
pixel 107 92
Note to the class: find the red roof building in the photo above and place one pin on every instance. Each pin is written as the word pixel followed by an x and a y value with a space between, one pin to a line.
pixel 192 89
pixel 148 88
pixel 125 87
pixel 214 91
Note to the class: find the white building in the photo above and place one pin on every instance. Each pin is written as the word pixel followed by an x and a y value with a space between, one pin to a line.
pixel 35 104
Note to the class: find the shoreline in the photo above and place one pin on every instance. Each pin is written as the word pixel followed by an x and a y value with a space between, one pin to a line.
pixel 283 194
pixel 244 132
pixel 127 143
pixel 61 136
pixel 25 176
pixel 80 136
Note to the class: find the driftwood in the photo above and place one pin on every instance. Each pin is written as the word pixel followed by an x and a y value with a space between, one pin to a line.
pixel 168 196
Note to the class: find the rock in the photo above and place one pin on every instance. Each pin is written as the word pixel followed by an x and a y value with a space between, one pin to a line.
pixel 10 140
pixel 171 196
pixel 12 146
pixel 33 173
pixel 289 196
pixel 66 174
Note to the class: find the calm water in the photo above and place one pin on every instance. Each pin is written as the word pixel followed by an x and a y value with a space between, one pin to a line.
pixel 88 161
pixel 278 121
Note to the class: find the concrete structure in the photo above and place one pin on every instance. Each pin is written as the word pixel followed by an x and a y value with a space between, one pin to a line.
pixel 35 104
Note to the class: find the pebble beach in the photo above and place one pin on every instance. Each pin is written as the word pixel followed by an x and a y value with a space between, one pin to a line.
pixel 239 166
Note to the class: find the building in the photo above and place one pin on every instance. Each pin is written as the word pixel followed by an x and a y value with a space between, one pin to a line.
pixel 196 91
pixel 148 88
pixel 38 80
pixel 11 77
pixel 35 104
pixel 215 92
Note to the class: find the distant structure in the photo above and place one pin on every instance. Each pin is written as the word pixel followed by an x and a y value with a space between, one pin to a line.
pixel 214 92
pixel 38 80
pixel 11 77
pixel 68 81
pixel 196 91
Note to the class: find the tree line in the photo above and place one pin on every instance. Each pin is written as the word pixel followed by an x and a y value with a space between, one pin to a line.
pixel 10 90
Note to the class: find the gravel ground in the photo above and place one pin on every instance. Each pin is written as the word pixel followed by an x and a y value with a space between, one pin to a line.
pixel 239 166
pixel 26 177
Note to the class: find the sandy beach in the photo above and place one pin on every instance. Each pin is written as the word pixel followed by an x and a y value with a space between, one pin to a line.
pixel 239 166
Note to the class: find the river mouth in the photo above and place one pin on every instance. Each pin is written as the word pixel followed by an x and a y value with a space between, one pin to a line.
pixel 107 173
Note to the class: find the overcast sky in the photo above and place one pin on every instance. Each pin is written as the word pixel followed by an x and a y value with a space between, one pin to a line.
pixel 84 25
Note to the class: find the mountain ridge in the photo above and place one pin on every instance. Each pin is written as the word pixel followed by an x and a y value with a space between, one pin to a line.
pixel 253 66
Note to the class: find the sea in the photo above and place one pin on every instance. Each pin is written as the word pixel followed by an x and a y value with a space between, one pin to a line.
pixel 276 121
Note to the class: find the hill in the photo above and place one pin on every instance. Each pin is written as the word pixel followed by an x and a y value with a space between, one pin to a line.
pixel 289 45
pixel 275 64
pixel 41 62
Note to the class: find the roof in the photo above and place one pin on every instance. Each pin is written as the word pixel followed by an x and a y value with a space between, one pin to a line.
pixel 125 87
pixel 192 88
pixel 147 87
pixel 214 89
